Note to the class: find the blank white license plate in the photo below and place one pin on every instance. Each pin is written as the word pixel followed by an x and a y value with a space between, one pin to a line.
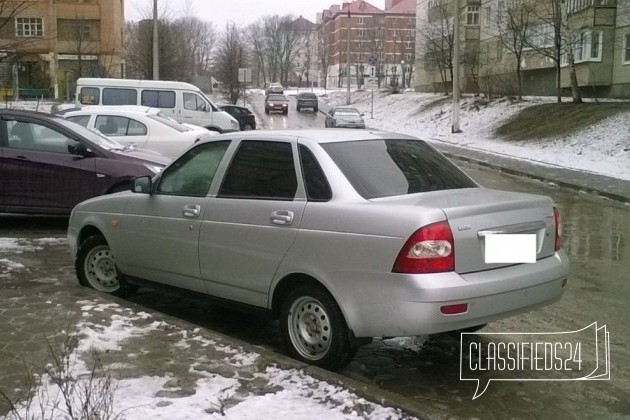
pixel 510 249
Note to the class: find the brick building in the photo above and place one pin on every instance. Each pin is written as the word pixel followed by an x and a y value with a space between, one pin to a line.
pixel 45 45
pixel 380 43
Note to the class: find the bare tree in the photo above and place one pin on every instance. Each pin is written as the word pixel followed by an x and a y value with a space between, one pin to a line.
pixel 438 41
pixel 513 23
pixel 553 28
pixel 231 55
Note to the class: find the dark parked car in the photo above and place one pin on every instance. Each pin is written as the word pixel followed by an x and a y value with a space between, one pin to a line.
pixel 306 100
pixel 344 117
pixel 276 103
pixel 49 164
pixel 246 119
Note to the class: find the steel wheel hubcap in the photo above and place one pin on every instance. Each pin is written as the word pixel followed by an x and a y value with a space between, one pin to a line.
pixel 309 328
pixel 100 269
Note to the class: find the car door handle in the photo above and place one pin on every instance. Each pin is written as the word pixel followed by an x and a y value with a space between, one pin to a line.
pixel 282 217
pixel 191 210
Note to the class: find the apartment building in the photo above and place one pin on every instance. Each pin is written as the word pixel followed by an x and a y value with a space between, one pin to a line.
pixel 304 70
pixel 495 35
pixel 45 45
pixel 377 43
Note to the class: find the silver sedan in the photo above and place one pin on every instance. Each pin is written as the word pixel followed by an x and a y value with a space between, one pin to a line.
pixel 341 234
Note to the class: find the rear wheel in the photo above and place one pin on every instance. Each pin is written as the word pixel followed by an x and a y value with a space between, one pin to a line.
pixel 285 112
pixel 96 268
pixel 314 330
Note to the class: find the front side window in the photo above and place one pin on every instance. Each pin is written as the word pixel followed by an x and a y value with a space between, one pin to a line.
pixel 192 174
pixel 90 96
pixel 194 102
pixel 158 98
pixel 384 168
pixel 33 136
pixel 29 27
pixel 116 96
pixel 261 170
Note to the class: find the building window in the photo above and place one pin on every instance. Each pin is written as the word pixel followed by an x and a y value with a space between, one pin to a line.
pixel 362 20
pixel 626 49
pixel 29 27
pixel 488 14
pixel 408 45
pixel 472 15
pixel 588 46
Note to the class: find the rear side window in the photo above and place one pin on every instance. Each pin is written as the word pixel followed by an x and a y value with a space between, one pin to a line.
pixel 261 170
pixel 116 96
pixel 384 168
pixel 90 96
pixel 82 120
pixel 111 125
pixel 317 187
pixel 158 98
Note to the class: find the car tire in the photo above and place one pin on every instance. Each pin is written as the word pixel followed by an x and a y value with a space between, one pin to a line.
pixel 285 112
pixel 314 329
pixel 266 111
pixel 315 110
pixel 297 109
pixel 95 267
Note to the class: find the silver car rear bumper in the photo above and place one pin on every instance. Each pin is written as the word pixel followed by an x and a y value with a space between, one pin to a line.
pixel 406 305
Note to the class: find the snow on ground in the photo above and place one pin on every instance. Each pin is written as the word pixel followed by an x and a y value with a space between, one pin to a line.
pixel 107 328
pixel 603 148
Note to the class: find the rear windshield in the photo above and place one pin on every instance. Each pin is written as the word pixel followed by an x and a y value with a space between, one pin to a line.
pixel 385 168
pixel 307 96
pixel 277 98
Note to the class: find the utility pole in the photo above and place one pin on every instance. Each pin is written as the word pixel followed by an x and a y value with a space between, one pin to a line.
pixel 156 52
pixel 348 57
pixel 455 122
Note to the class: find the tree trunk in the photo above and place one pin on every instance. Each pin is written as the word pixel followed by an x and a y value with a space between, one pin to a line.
pixel 519 79
pixel 575 88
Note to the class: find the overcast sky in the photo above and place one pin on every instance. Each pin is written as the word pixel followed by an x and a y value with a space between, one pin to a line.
pixel 241 12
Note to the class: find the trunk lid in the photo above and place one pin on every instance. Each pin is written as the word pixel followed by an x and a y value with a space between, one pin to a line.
pixel 474 213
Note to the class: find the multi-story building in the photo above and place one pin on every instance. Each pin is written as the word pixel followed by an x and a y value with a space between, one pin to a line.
pixel 496 35
pixel 376 43
pixel 304 70
pixel 45 45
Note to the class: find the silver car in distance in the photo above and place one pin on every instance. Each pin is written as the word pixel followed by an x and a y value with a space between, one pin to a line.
pixel 343 235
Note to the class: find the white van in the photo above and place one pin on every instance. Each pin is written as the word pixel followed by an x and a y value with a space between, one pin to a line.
pixel 181 101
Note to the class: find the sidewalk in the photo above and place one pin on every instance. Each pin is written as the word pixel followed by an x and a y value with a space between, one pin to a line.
pixel 612 188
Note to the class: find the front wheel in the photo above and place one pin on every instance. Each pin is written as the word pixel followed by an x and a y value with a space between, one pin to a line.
pixel 96 268
pixel 314 330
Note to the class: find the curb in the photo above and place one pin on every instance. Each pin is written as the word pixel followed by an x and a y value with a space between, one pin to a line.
pixel 565 184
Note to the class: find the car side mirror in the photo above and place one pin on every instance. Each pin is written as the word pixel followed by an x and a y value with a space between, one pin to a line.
pixel 142 185
pixel 80 149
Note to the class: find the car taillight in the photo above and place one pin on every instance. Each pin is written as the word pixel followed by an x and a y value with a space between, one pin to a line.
pixel 429 250
pixel 557 221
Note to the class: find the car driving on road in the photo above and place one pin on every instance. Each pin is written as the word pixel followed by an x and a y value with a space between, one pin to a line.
pixel 344 117
pixel 342 235
pixel 48 164
pixel 306 100
pixel 276 103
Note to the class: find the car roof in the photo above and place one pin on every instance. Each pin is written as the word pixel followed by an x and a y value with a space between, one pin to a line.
pixel 318 135
pixel 136 109
pixel 29 113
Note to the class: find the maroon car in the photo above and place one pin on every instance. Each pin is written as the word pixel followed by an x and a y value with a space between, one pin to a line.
pixel 48 164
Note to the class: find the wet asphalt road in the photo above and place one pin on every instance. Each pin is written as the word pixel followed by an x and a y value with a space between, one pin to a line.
pixel 426 369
